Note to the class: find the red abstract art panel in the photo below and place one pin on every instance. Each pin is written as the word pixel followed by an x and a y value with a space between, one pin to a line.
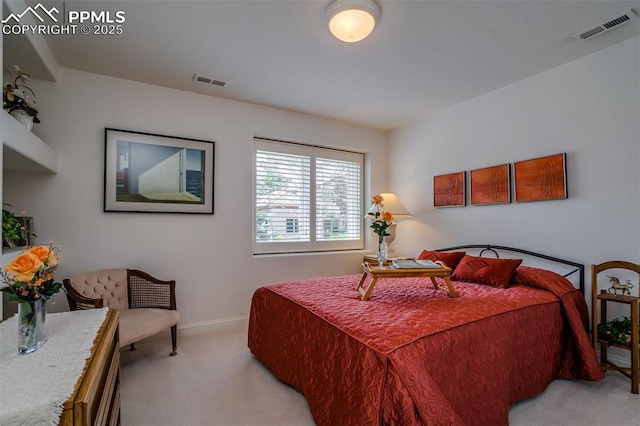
pixel 449 190
pixel 491 185
pixel 541 178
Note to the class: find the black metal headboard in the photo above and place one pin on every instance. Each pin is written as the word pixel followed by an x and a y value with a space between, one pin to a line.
pixel 579 268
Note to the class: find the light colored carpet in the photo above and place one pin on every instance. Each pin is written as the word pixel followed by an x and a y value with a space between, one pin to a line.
pixel 215 380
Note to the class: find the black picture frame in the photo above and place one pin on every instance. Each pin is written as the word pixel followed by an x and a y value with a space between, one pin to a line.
pixel 152 173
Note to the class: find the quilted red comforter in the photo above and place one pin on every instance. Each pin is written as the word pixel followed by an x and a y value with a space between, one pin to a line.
pixel 411 355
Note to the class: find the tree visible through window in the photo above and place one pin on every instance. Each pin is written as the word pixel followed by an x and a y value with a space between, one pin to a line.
pixel 306 198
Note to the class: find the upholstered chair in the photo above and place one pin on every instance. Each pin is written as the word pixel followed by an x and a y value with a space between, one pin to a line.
pixel 146 304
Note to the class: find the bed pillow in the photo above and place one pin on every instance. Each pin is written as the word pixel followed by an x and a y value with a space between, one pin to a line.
pixel 489 271
pixel 451 259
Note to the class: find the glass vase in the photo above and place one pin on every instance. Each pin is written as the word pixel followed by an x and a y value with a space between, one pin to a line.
pixel 382 254
pixel 31 325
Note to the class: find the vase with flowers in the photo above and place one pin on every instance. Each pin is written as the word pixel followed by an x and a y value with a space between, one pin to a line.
pixel 382 220
pixel 18 98
pixel 29 280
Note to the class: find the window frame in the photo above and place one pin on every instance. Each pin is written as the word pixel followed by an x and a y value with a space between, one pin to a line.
pixel 313 152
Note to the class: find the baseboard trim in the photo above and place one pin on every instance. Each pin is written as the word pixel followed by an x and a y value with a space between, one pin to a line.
pixel 202 327
pixel 215 325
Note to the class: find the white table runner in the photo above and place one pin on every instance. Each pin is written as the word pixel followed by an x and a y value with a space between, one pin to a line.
pixel 34 387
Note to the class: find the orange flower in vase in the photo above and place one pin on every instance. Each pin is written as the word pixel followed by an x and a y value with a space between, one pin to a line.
pixel 30 275
pixel 29 280
pixel 381 220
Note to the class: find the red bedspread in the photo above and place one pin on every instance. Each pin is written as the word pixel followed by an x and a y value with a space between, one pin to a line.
pixel 411 355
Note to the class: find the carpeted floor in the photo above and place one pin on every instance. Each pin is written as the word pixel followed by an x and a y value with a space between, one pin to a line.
pixel 214 380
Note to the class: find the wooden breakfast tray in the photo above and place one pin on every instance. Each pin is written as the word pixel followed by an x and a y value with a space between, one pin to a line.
pixel 387 272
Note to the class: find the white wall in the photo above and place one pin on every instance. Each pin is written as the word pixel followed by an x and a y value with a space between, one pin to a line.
pixel 209 256
pixel 588 108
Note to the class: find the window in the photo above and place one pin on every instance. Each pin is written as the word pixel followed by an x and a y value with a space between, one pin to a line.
pixel 292 225
pixel 306 198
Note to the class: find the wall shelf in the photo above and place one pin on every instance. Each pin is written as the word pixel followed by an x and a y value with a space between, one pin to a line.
pixel 23 151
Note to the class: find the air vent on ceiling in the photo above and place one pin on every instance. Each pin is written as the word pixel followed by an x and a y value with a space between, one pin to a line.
pixel 607 25
pixel 206 80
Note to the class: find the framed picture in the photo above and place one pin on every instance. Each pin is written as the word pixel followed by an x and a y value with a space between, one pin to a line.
pixel 449 190
pixel 491 185
pixel 542 178
pixel 144 172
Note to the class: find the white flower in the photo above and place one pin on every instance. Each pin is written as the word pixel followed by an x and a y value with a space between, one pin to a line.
pixel 19 93
pixel 31 104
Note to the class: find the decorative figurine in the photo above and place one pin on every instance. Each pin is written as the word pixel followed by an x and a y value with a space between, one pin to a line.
pixel 617 285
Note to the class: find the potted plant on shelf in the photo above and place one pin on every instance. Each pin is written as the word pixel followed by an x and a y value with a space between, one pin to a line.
pixel 616 330
pixel 18 99
pixel 16 231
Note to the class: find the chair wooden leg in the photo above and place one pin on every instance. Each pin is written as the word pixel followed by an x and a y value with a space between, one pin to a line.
pixel 174 338
pixel 132 347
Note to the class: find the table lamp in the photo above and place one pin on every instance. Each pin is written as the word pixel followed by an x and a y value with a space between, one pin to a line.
pixel 398 210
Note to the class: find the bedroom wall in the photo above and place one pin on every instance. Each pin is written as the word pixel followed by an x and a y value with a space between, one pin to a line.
pixel 209 256
pixel 588 108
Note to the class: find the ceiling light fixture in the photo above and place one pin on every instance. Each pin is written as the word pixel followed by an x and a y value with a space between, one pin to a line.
pixel 352 20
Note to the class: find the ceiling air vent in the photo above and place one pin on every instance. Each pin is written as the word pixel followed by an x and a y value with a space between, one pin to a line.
pixel 206 80
pixel 609 24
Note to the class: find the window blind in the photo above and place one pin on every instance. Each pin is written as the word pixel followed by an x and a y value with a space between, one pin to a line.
pixel 306 198
pixel 338 208
pixel 282 195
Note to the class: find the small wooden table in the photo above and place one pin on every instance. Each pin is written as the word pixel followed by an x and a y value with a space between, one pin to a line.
pixel 388 272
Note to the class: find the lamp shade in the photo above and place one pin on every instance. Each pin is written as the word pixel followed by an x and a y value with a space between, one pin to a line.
pixel 352 20
pixel 391 205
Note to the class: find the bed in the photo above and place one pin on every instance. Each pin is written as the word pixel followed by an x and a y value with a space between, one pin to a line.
pixel 413 355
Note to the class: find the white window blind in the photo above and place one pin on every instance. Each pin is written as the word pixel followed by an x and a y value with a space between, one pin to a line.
pixel 296 186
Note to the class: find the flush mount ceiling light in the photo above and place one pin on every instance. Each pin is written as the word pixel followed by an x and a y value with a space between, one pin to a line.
pixel 352 20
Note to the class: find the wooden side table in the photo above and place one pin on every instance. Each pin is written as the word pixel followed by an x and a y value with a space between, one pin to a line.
pixel 633 346
pixel 387 272
pixel 93 383
pixel 609 296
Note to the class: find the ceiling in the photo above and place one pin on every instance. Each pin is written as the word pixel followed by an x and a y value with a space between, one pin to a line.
pixel 422 57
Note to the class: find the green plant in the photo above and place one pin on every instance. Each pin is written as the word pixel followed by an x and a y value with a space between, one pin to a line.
pixel 14 229
pixel 15 95
pixel 616 330
pixel 11 226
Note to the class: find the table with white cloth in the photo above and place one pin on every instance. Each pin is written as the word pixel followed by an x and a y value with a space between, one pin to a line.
pixel 35 387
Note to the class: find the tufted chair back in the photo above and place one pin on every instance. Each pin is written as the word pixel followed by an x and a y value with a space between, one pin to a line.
pixel 110 285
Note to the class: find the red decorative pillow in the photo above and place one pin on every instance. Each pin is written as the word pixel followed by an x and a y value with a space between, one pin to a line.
pixel 451 259
pixel 481 270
